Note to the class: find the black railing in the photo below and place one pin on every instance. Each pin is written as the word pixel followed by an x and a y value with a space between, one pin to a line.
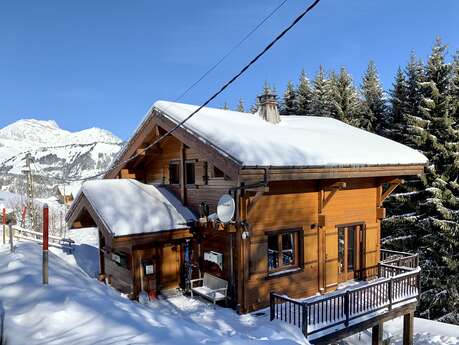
pixel 396 284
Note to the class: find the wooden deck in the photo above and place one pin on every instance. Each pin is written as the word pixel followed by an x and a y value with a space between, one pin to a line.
pixel 394 286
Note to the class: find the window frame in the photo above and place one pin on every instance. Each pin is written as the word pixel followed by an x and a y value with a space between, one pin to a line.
pixel 177 164
pixel 298 248
pixel 187 163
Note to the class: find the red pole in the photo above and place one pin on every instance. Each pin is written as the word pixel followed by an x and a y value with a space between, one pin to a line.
pixel 4 225
pixel 45 243
pixel 24 210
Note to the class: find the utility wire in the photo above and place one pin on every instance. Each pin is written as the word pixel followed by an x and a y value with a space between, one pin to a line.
pixel 224 57
pixel 211 98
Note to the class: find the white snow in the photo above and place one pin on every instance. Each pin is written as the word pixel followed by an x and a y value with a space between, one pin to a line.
pixel 306 141
pixel 76 309
pixel 134 207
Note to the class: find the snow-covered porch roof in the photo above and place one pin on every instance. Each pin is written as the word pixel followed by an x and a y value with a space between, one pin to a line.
pixel 128 207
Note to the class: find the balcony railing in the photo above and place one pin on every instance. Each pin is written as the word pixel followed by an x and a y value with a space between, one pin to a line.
pixel 398 280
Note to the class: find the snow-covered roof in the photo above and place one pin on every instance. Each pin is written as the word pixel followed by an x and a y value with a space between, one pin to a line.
pixel 297 141
pixel 129 207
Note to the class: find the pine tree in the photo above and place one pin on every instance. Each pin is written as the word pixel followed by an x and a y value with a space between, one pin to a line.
pixel 225 106
pixel 304 95
pixel 289 103
pixel 426 218
pixel 398 103
pixel 321 95
pixel 344 97
pixel 373 99
pixel 455 88
pixel 240 106
pixel 415 134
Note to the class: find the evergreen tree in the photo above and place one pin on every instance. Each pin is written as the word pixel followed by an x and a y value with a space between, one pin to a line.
pixel 398 103
pixel 225 106
pixel 344 98
pixel 289 104
pixel 373 99
pixel 240 106
pixel 415 133
pixel 455 88
pixel 426 218
pixel 321 95
pixel 304 95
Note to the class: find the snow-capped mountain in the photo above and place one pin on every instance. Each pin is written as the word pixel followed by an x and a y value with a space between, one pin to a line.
pixel 57 154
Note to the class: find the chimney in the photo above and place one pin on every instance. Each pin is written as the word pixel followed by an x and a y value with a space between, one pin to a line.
pixel 267 106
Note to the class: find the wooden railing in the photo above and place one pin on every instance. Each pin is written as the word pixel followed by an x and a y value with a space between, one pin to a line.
pixel 393 257
pixel 395 285
pixel 20 233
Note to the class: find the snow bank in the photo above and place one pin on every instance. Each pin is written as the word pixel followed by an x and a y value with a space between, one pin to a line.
pixel 74 309
pixel 134 207
pixel 297 141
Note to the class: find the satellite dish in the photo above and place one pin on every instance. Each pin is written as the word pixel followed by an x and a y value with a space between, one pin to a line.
pixel 226 208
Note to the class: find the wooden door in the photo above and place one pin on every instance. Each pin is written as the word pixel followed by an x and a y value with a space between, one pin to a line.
pixel 350 251
pixel 170 266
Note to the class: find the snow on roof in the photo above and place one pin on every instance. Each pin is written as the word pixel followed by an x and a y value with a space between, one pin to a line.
pixel 297 141
pixel 128 207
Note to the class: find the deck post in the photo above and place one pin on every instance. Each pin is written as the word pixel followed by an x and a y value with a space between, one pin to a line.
pixel 304 321
pixel 377 334
pixel 346 307
pixel 389 291
pixel 271 306
pixel 408 321
pixel 4 225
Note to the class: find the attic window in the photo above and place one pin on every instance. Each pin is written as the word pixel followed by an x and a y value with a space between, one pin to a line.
pixel 218 172
pixel 190 173
pixel 174 173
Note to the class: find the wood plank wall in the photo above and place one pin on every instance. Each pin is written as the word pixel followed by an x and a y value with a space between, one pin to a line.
pixel 207 188
pixel 296 204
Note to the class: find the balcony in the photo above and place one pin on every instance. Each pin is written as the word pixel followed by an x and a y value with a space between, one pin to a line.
pixel 386 291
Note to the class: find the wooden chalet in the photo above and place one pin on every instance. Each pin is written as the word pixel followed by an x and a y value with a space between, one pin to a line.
pixel 308 194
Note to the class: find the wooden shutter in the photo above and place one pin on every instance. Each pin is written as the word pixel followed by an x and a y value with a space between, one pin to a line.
pixel 200 173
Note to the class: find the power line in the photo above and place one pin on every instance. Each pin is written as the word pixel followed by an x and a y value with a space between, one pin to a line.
pixel 224 57
pixel 211 98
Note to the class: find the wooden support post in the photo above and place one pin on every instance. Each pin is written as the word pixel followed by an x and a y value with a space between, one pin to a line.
pixel 304 325
pixel 4 225
pixel 11 238
pixel 377 334
pixel 346 307
pixel 271 306
pixel 408 323
pixel 389 292
pixel 45 243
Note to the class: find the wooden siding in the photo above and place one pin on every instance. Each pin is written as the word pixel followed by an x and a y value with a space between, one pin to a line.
pixel 293 205
pixel 206 187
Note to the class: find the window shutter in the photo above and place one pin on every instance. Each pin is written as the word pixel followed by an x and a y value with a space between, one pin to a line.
pixel 200 173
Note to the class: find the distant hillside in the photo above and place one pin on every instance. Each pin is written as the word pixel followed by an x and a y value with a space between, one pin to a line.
pixel 57 153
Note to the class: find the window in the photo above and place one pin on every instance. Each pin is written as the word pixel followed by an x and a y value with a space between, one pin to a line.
pixel 283 250
pixel 190 173
pixel 218 172
pixel 174 173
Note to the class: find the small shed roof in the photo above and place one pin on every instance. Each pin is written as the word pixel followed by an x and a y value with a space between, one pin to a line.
pixel 297 141
pixel 128 207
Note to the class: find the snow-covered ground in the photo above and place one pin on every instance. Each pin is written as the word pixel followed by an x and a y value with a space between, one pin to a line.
pixel 76 309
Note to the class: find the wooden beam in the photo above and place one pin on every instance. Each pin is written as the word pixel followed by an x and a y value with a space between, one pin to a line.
pixel 408 323
pixel 182 174
pixel 392 185
pixel 334 189
pixel 377 334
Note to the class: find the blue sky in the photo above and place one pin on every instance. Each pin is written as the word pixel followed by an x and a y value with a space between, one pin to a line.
pixel 103 63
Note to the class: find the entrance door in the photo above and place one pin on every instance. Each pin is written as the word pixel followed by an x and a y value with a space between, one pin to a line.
pixel 350 251
pixel 170 266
